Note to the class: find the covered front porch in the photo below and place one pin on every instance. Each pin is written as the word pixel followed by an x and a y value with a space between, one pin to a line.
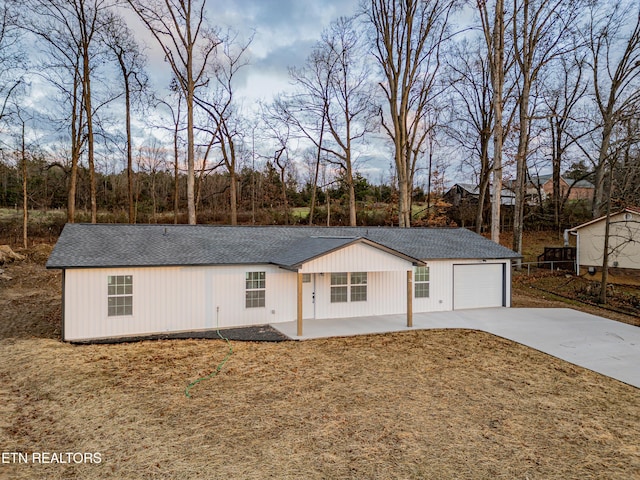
pixel 345 277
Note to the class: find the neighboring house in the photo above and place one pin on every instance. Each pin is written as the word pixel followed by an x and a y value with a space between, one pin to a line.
pixel 461 193
pixel 464 198
pixel 541 187
pixel 624 242
pixel 132 280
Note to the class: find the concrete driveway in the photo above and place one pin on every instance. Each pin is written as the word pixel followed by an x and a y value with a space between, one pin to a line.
pixel 604 346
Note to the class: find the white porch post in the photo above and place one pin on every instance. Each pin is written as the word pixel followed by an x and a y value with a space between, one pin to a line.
pixel 410 298
pixel 299 304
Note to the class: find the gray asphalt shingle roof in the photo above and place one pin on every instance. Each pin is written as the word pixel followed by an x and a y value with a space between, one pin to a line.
pixel 120 245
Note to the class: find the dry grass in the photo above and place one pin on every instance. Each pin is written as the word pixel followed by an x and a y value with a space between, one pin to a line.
pixel 437 404
pixel 426 404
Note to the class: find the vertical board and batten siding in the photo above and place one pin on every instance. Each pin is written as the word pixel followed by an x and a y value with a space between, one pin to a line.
pixel 173 299
pixel 386 282
pixel 357 258
pixel 386 294
pixel 441 284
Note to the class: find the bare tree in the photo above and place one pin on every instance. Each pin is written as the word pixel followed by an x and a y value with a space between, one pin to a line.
pixel 540 31
pixel 10 57
pixel 627 175
pixel 67 28
pixel 472 115
pixel 407 38
pixel 119 40
pixel 563 95
pixel 613 39
pixel 151 159
pixel 334 98
pixel 222 108
pixel 494 35
pixel 349 109
pixel 25 176
pixel 175 110
pixel 307 109
pixel 180 29
pixel 279 132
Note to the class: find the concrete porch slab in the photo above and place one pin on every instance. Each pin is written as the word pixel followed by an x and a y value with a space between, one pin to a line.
pixel 604 346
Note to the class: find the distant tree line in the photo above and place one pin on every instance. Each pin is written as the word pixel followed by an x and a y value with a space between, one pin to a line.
pixel 260 195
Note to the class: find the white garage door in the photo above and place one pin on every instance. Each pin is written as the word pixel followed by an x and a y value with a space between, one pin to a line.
pixel 478 286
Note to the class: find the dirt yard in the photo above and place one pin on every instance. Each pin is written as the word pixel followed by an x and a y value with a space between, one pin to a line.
pixel 426 404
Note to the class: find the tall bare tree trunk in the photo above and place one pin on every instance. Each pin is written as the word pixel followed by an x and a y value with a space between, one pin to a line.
pixel 180 30
pixel 191 204
pixel 233 192
pixel 76 147
pixel 408 37
pixel 25 198
pixel 496 55
pixel 127 94
pixel 86 26
pixel 521 168
pixel 605 252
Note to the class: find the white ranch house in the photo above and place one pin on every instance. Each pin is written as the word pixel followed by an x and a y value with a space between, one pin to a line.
pixel 137 280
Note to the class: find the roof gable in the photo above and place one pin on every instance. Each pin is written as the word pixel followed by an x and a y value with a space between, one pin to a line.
pixel 306 250
pixel 632 210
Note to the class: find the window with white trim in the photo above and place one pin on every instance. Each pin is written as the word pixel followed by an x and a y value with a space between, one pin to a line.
pixel 339 287
pixel 255 285
pixel 348 287
pixel 421 282
pixel 358 286
pixel 119 295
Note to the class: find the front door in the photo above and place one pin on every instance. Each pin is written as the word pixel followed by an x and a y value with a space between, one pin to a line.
pixel 309 295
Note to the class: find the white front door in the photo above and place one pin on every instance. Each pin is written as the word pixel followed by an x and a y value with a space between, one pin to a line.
pixel 309 296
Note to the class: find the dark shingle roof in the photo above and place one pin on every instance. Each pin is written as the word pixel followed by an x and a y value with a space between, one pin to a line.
pixel 119 245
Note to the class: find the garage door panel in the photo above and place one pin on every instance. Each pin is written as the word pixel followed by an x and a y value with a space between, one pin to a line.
pixel 478 286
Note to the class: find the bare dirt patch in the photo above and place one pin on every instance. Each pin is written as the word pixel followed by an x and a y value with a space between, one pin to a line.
pixel 425 404
pixel 30 304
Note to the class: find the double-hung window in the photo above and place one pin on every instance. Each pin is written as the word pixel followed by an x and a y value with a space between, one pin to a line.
pixel 358 286
pixel 255 284
pixel 347 287
pixel 339 287
pixel 119 295
pixel 421 282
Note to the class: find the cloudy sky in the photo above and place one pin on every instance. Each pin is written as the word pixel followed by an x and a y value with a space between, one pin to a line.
pixel 284 33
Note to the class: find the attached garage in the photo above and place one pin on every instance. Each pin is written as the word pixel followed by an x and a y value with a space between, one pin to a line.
pixel 479 285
